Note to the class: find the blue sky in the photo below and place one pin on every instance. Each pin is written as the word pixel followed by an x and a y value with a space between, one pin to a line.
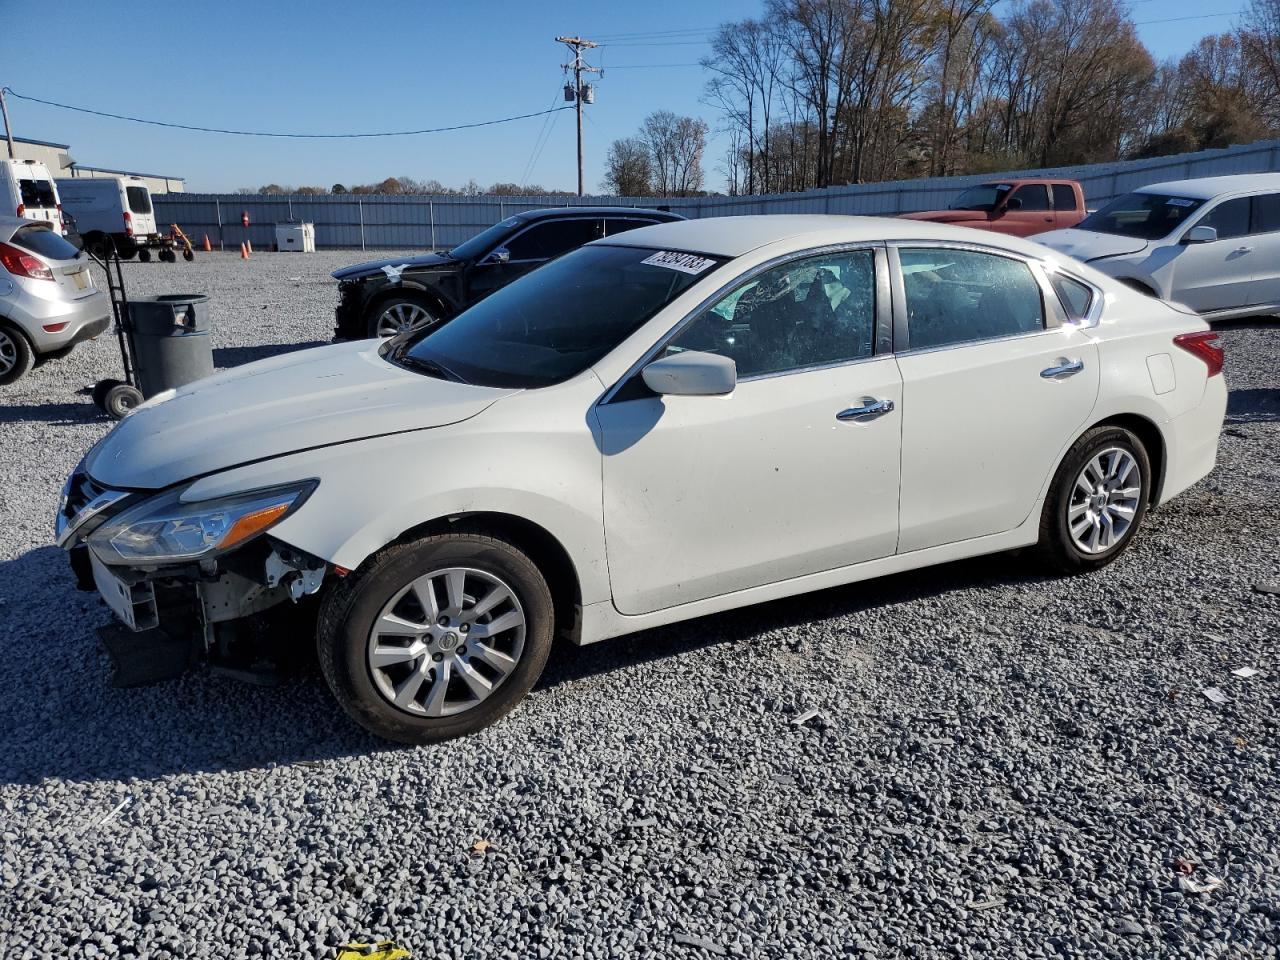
pixel 341 67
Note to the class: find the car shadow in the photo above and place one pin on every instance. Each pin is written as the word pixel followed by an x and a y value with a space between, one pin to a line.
pixel 225 357
pixel 568 663
pixel 69 723
pixel 1254 405
pixel 82 411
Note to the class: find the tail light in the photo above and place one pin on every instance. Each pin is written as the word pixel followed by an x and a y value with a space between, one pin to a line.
pixel 22 264
pixel 22 210
pixel 128 224
pixel 1205 346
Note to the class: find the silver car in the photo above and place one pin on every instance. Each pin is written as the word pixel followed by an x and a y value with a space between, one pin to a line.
pixel 48 299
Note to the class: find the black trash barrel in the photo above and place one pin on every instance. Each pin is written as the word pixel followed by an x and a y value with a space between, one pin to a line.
pixel 170 335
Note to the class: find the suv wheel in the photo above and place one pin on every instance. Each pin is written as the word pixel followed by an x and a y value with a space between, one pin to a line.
pixel 16 354
pixel 398 314
pixel 437 638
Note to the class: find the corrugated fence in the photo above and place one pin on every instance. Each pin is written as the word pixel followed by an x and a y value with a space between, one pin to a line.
pixel 402 222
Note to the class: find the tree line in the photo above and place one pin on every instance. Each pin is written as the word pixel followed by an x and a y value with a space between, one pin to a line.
pixel 821 92
pixel 403 186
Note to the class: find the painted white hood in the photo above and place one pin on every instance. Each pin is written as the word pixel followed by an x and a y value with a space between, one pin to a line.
pixel 1087 245
pixel 309 398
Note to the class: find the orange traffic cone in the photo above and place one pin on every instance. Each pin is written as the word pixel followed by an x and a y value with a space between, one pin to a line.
pixel 208 247
pixel 248 246
pixel 244 252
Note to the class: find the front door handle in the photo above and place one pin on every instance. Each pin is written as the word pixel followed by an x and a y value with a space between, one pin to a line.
pixel 1062 368
pixel 870 409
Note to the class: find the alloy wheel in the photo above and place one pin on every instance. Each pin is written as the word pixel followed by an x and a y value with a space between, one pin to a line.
pixel 1104 500
pixel 8 352
pixel 400 317
pixel 443 643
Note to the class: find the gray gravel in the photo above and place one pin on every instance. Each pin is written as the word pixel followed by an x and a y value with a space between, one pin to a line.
pixel 1002 765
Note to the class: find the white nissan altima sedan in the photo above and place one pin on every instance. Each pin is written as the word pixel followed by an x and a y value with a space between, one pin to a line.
pixel 675 421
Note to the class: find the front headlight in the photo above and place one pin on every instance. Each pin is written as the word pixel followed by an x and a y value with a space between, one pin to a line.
pixel 164 529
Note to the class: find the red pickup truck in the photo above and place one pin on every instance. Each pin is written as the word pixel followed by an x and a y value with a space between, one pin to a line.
pixel 1017 207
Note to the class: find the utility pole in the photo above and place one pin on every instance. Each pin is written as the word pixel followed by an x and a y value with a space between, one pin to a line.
pixel 4 109
pixel 576 45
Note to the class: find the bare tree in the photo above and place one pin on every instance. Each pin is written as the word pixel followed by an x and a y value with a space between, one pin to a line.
pixel 675 147
pixel 628 170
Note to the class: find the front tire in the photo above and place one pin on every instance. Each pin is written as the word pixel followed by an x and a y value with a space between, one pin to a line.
pixel 1097 501
pixel 437 638
pixel 398 314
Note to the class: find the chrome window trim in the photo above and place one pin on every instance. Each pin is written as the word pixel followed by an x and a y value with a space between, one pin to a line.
pixel 1055 315
pixel 880 319
pixel 484 261
pixel 1094 315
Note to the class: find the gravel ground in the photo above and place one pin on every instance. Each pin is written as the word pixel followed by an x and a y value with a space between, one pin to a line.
pixel 1003 765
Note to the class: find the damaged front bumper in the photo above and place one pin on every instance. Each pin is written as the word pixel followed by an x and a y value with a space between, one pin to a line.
pixel 199 599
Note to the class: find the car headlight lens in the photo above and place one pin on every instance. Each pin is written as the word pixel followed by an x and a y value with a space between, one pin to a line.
pixel 164 529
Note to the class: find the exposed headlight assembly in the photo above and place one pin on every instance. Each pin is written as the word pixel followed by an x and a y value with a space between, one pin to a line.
pixel 163 529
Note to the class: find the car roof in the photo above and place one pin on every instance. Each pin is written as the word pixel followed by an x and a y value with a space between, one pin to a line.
pixel 596 211
pixel 1206 188
pixel 737 236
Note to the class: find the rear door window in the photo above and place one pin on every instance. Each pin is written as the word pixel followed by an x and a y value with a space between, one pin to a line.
pixel 1064 197
pixel 543 241
pixel 1230 218
pixel 43 241
pixel 615 225
pixel 139 199
pixel 37 193
pixel 1034 196
pixel 956 296
pixel 1266 213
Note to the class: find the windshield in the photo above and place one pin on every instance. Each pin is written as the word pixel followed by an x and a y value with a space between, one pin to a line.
pixel 555 322
pixel 481 242
pixel 985 197
pixel 1148 216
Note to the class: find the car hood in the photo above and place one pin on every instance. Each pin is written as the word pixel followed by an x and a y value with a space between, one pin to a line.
pixel 1087 245
pixel 309 398
pixel 377 266
pixel 947 216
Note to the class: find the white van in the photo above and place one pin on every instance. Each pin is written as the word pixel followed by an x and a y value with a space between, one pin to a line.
pixel 29 193
pixel 112 210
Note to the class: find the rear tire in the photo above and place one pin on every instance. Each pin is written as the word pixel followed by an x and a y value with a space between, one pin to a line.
pixel 16 354
pixel 1097 501
pixel 449 682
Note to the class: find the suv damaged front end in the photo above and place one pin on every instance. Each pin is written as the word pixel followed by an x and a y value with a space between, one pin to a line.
pixel 186 574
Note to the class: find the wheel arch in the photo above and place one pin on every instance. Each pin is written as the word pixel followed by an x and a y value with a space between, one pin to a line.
pixel 407 288
pixel 1146 430
pixel 1141 286
pixel 542 547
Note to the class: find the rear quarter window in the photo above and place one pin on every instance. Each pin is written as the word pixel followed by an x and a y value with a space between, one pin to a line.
pixel 1076 297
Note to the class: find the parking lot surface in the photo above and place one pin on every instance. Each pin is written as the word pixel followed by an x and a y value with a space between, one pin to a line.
pixel 1002 764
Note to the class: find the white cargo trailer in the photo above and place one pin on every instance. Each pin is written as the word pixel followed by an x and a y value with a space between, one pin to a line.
pixel 113 210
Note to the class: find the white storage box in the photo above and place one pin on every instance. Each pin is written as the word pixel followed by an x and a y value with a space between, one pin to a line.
pixel 299 237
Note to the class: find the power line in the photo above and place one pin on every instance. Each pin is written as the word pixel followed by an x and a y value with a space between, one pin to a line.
pixel 293 136
pixel 652 66
pixel 1202 16
pixel 539 142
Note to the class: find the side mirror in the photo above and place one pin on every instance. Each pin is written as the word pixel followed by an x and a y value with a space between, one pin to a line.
pixel 499 255
pixel 691 374
pixel 1013 203
pixel 1201 235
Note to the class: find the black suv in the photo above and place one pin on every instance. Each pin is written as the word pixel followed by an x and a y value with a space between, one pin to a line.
pixel 384 297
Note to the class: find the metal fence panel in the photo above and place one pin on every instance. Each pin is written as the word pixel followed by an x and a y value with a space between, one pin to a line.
pixel 407 222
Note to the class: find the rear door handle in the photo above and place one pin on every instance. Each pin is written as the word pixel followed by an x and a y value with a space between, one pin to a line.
pixel 870 409
pixel 1063 367
pixel 1244 249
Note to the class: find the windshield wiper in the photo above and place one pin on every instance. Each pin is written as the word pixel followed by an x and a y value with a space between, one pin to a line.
pixel 429 367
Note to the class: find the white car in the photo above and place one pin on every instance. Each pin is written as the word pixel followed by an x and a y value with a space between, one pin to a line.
pixel 1212 244
pixel 668 423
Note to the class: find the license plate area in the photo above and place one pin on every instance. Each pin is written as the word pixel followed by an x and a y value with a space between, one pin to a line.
pixel 134 604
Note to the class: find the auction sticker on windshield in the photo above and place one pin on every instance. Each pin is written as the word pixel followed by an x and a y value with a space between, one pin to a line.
pixel 684 262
